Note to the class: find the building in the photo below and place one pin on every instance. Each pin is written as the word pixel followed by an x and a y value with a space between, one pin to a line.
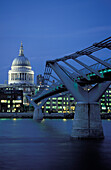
pixel 66 103
pixel 105 102
pixel 11 100
pixel 21 72
pixel 21 76
pixel 61 104
pixel 40 80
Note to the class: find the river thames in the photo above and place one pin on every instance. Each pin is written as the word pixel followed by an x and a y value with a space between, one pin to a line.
pixel 46 145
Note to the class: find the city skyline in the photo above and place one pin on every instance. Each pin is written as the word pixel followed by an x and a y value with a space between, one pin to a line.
pixel 49 29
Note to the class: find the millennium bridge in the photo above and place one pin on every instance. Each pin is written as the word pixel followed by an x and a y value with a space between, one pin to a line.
pixel 68 78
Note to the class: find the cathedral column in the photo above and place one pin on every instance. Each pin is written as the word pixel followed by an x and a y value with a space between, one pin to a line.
pixel 24 76
pixel 14 76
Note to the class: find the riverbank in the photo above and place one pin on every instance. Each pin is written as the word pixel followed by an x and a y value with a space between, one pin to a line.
pixel 16 115
pixel 29 115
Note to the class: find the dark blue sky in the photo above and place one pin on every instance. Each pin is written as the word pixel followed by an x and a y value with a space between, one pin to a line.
pixel 50 29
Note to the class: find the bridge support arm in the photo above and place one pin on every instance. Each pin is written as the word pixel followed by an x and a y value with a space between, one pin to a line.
pixel 37 115
pixel 98 90
pixel 74 88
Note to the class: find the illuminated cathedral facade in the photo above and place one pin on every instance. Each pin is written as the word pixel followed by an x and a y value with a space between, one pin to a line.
pixel 21 72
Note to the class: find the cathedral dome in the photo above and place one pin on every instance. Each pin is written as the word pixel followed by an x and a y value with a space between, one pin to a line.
pixel 21 60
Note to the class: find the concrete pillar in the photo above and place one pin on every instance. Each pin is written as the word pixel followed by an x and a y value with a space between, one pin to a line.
pixel 37 115
pixel 87 121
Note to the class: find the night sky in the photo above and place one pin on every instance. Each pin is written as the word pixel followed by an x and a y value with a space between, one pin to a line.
pixel 50 29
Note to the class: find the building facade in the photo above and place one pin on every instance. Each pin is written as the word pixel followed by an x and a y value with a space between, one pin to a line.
pixel 11 100
pixel 62 104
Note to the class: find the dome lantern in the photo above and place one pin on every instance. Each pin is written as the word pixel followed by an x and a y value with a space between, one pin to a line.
pixel 21 51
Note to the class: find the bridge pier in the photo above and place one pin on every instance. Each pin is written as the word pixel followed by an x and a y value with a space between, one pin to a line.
pixel 87 122
pixel 37 115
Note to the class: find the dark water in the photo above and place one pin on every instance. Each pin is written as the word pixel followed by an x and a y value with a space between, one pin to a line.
pixel 26 144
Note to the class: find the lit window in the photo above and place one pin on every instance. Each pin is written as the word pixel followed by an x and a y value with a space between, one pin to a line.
pixel 59 102
pixel 3 101
pixel 17 101
pixel 17 105
pixel 103 108
pixel 59 98
pixel 53 98
pixel 47 107
pixel 54 102
pixel 60 107
pixel 102 99
pixel 109 70
pixel 47 102
pixel 54 107
pixel 71 98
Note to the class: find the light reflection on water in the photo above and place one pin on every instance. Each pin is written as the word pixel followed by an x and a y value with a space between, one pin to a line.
pixel 46 145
